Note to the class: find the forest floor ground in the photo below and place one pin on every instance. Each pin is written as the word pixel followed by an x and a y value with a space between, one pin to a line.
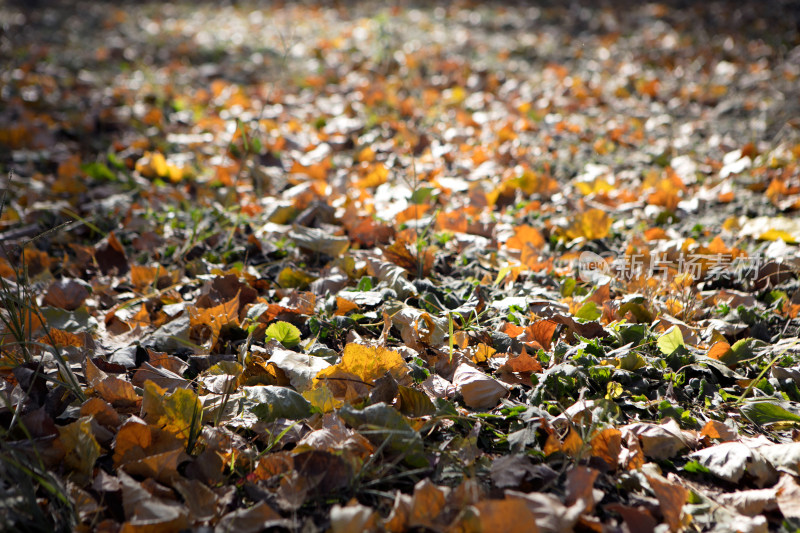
pixel 436 267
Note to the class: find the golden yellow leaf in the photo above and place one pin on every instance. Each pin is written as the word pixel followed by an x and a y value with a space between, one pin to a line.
pixel 80 447
pixel 179 413
pixel 591 224
pixel 322 398
pixel 482 353
pixel 369 363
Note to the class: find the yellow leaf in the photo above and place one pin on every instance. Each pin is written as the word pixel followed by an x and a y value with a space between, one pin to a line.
pixel 159 164
pixel 294 278
pixel 591 224
pixel 178 413
pixel 369 363
pixel 483 352
pixel 775 234
pixel 322 398
pixel 80 447
pixel 367 155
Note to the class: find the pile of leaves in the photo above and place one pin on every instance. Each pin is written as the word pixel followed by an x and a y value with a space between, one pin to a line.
pixel 446 267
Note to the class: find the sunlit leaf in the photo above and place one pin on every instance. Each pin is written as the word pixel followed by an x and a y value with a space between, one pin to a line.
pixel 285 333
pixel 670 341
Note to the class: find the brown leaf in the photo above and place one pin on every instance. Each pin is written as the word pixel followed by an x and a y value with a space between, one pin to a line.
pixel 201 501
pixel 137 440
pixel 510 515
pixel 110 256
pixel 163 467
pixel 580 487
pixel 751 502
pixel 102 411
pixel 637 519
pixel 427 503
pixel 117 392
pixel 66 294
pixel 354 517
pixel 671 498
pixel 385 390
pixel 250 520
pixel 329 472
pixel 660 441
pixel 588 330
pixel 479 390
pixel 160 376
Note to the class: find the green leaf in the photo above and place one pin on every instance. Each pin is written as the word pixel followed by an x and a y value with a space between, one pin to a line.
pixel 269 402
pixel 589 311
pixel 638 310
pixel 670 341
pixel 99 171
pixel 568 287
pixel 742 350
pixel 414 403
pixel 73 321
pixel 421 195
pixel 766 413
pixel 383 425
pixel 695 468
pixel 285 333
pixel 631 361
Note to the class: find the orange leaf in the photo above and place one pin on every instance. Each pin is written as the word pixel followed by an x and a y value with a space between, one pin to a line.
pixel 143 276
pixel 606 445
pixel 552 445
pixel 714 429
pixel 541 332
pixel 521 363
pixel 525 235
pixel 206 323
pixel 453 221
pixel 509 516
pixel 655 234
pixel 344 306
pixel 572 443
pixel 719 350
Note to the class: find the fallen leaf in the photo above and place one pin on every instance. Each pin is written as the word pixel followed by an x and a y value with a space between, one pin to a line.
pixel 479 390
